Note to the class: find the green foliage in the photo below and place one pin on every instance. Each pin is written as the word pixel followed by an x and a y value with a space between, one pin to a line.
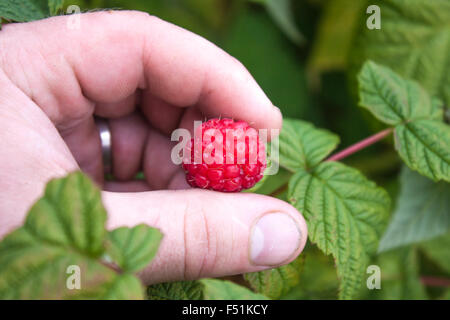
pixel 399 276
pixel 421 136
pixel 55 6
pixel 204 289
pixel 346 214
pixel 65 228
pixel 335 35
pixel 276 282
pixel 413 40
pixel 303 146
pixel 422 213
pixel 438 251
pixel 21 10
pixel 133 248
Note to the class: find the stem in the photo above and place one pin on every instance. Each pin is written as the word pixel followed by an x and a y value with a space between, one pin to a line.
pixel 360 145
pixel 435 281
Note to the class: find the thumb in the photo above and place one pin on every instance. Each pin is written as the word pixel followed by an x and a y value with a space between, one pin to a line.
pixel 211 234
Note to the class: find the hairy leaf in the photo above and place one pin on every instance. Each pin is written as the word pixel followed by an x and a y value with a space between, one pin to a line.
pixel 276 282
pixel 421 136
pixel 60 246
pixel 414 40
pixel 345 213
pixel 133 248
pixel 181 290
pixel 204 289
pixel 303 146
pixel 215 289
pixel 424 147
pixel 22 10
pixel 393 99
pixel 422 213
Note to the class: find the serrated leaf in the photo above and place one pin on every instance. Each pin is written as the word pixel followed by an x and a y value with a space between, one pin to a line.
pixel 421 136
pixel 55 6
pixel 303 146
pixel 414 40
pixel 64 229
pixel 226 290
pixel 424 147
pixel 133 248
pixel 70 214
pixel 181 290
pixel 391 98
pixel 345 213
pixel 438 251
pixel 276 282
pixel 422 213
pixel 22 10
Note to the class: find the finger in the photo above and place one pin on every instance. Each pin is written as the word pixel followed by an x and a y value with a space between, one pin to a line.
pixel 211 234
pixel 116 109
pixel 83 141
pixel 128 138
pixel 114 53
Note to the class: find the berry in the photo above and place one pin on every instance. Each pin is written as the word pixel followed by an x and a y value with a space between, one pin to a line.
pixel 225 155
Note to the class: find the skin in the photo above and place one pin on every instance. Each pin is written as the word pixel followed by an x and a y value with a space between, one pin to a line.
pixel 148 77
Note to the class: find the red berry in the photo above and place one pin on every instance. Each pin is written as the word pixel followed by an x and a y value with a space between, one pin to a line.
pixel 232 156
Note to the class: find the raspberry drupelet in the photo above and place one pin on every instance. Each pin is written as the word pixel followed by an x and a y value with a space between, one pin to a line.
pixel 229 156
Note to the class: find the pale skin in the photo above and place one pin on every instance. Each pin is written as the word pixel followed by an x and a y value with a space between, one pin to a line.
pixel 148 77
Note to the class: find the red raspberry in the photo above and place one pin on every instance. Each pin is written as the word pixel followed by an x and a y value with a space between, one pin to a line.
pixel 229 156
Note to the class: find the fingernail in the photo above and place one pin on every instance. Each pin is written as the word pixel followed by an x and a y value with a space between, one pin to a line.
pixel 274 239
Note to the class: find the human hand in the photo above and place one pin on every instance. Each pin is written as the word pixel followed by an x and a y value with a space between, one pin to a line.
pixel 54 79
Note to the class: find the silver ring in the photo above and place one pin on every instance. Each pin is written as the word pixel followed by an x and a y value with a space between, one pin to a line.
pixel 106 142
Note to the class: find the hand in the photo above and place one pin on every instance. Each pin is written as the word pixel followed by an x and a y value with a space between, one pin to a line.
pixel 54 79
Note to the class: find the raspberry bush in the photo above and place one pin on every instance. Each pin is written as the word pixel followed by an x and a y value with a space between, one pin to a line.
pixel 382 200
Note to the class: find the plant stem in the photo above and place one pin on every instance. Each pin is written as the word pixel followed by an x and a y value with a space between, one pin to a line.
pixel 435 281
pixel 360 145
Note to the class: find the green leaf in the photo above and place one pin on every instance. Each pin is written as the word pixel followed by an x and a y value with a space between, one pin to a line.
pixel 345 213
pixel 399 276
pixel 226 290
pixel 424 147
pixel 318 278
pixel 65 229
pixel 204 289
pixel 70 214
pixel 133 248
pixel 438 251
pixel 414 40
pixel 421 136
pixel 181 290
pixel 22 10
pixel 281 13
pixel 276 282
pixel 303 146
pixel 422 213
pixel 392 99
pixel 55 6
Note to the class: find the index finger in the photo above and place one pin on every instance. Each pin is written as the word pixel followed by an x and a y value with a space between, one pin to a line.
pixel 114 53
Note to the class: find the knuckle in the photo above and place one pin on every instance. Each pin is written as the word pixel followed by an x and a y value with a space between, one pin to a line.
pixel 200 246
